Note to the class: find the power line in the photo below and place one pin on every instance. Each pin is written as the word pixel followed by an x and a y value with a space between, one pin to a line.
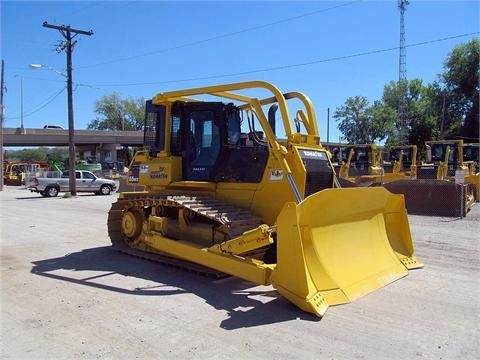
pixel 221 36
pixel 282 67
pixel 41 106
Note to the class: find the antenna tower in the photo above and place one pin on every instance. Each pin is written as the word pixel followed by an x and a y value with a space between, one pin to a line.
pixel 402 77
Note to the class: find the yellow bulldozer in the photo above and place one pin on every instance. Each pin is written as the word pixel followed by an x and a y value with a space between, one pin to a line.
pixel 402 165
pixel 359 165
pixel 443 159
pixel 449 157
pixel 444 186
pixel 471 156
pixel 223 193
pixel 363 164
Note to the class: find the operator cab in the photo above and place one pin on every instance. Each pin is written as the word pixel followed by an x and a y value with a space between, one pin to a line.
pixel 405 152
pixel 438 153
pixel 208 138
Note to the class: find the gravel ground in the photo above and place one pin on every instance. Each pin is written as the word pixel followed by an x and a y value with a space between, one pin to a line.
pixel 65 294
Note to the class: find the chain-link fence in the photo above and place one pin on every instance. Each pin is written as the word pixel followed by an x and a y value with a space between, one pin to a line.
pixel 435 197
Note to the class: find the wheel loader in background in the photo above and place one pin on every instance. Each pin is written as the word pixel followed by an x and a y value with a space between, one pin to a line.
pixel 223 192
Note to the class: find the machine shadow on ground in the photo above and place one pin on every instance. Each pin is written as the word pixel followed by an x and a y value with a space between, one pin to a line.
pixel 239 298
pixel 35 197
pixel 60 196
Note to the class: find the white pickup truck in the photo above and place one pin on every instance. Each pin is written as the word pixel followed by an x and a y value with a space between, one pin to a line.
pixel 86 181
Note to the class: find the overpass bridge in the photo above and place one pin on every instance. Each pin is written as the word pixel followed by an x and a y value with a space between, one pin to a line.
pixel 59 137
pixel 99 145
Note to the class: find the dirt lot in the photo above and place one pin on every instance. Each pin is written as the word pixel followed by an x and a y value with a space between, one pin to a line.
pixel 66 294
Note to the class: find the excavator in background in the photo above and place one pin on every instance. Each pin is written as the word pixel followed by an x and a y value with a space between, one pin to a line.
pixel 224 195
pixel 59 165
pixel 56 164
pixel 445 185
pixel 89 165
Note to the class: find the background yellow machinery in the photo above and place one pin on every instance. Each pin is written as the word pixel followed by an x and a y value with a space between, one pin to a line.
pixel 450 156
pixel 444 186
pixel 403 163
pixel 358 165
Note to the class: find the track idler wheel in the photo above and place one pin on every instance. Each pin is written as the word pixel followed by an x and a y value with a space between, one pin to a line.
pixel 132 221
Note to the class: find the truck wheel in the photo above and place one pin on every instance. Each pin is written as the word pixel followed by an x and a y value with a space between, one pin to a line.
pixel 105 190
pixel 51 191
pixel 43 193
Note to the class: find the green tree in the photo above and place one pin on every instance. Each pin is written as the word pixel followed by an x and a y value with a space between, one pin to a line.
pixel 361 123
pixel 58 153
pixel 446 109
pixel 37 154
pixel 447 123
pixel 115 113
pixel 460 97
pixel 383 121
pixel 421 115
pixel 353 120
pixel 31 154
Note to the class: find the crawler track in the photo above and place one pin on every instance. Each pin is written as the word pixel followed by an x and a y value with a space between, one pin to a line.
pixel 233 221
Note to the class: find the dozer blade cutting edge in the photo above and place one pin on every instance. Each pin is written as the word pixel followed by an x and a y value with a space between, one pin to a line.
pixel 340 244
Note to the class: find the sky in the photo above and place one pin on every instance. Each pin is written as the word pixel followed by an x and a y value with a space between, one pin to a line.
pixel 329 50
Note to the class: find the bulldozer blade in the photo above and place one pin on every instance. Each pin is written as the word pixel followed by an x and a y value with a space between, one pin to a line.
pixel 340 244
pixel 434 197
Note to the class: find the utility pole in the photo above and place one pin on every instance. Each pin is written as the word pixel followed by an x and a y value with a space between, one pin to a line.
pixel 67 45
pixel 22 128
pixel 1 120
pixel 402 77
pixel 328 125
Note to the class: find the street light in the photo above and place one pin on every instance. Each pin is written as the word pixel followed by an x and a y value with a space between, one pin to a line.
pixel 22 129
pixel 71 131
pixel 40 66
